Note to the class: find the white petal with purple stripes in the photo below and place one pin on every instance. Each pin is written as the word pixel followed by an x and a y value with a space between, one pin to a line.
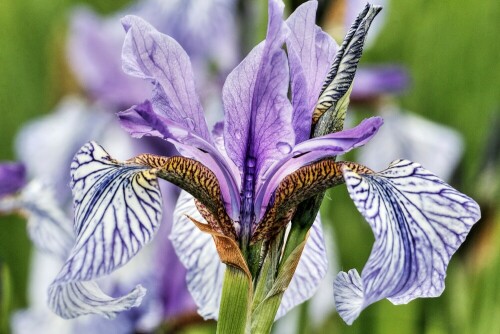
pixel 196 250
pixel 418 221
pixel 117 211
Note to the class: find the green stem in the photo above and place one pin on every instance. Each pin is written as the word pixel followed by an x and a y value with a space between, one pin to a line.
pixel 263 315
pixel 235 302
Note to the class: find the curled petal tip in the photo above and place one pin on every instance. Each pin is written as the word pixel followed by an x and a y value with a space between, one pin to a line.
pixel 348 295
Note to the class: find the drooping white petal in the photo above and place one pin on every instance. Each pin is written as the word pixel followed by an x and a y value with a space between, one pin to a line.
pixel 311 270
pixel 117 211
pixel 74 299
pixel 418 221
pixel 196 250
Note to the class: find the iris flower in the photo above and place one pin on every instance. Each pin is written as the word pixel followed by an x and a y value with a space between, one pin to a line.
pixel 251 176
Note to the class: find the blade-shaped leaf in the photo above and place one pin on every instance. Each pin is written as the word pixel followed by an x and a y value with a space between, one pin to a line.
pixel 418 221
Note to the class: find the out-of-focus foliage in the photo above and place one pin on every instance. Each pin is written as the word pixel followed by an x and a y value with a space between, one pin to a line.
pixel 451 50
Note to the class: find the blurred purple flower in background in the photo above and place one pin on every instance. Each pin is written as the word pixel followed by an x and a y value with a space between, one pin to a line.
pixel 12 177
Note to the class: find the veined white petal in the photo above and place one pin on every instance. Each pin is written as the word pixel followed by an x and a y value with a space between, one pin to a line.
pixel 74 299
pixel 117 211
pixel 196 250
pixel 311 270
pixel 418 221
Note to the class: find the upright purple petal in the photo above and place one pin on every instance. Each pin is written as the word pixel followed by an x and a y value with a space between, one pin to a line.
pixel 310 54
pixel 418 222
pixel 257 110
pixel 150 55
pixel 12 177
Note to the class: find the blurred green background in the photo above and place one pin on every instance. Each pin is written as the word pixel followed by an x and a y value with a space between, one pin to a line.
pixel 451 49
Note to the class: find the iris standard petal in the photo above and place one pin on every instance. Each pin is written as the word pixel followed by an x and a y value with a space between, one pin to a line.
pixel 418 221
pixel 148 54
pixel 312 268
pixel 313 150
pixel 257 111
pixel 310 54
pixel 12 177
pixel 196 250
pixel 117 211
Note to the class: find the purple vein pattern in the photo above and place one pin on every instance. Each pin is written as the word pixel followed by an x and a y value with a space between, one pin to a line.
pixel 418 221
pixel 117 211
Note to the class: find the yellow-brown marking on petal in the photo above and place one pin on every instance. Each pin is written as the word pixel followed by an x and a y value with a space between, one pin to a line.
pixel 151 160
pixel 297 187
pixel 196 179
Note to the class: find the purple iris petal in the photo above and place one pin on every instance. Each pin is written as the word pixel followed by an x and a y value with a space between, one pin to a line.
pixel 12 177
pixel 313 150
pixel 148 54
pixel 418 222
pixel 257 125
pixel 310 53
